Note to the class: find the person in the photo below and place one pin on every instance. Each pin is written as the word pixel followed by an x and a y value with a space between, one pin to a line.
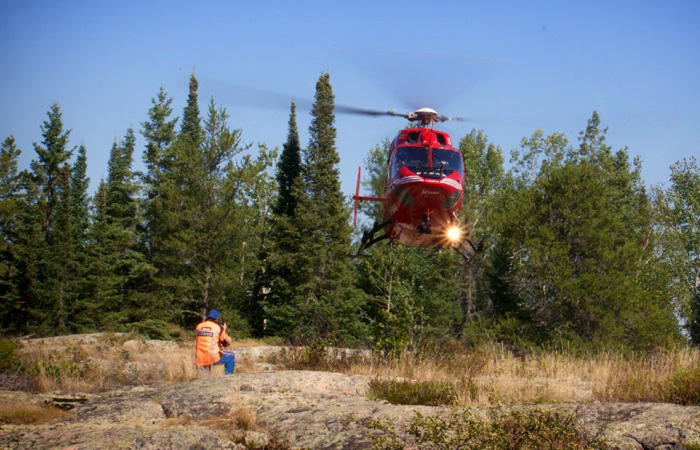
pixel 210 341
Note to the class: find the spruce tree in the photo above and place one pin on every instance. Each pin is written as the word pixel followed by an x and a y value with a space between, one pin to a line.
pixel 48 260
pixel 118 272
pixel 212 201
pixel 191 128
pixel 172 207
pixel 159 132
pixel 326 301
pixel 10 210
pixel 289 169
pixel 79 198
pixel 280 278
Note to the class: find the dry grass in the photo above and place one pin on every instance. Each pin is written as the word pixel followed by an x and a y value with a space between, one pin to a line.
pixel 245 418
pixel 493 375
pixel 21 414
pixel 490 375
pixel 99 363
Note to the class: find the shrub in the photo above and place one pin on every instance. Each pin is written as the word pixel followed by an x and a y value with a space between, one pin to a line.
pixel 8 357
pixel 684 386
pixel 405 392
pixel 502 430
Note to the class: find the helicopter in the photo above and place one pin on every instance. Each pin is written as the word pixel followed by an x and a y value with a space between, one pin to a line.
pixel 423 191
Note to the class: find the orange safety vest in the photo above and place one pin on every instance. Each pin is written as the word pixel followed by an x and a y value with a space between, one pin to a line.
pixel 210 337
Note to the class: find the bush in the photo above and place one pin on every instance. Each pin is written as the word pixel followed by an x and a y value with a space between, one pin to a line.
pixel 502 430
pixel 8 358
pixel 430 393
pixel 684 386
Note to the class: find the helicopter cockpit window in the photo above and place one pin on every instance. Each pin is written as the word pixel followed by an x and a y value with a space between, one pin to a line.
pixel 448 161
pixel 411 157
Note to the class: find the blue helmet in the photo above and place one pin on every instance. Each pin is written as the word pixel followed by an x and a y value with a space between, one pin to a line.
pixel 213 314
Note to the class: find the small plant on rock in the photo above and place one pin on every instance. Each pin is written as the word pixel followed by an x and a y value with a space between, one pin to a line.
pixel 501 430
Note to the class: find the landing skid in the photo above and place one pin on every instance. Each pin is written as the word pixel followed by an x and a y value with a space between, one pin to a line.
pixel 369 238
pixel 468 256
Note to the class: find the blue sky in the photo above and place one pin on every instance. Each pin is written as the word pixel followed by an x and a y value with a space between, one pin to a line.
pixel 511 66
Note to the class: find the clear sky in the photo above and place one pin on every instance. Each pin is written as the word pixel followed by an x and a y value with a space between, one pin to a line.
pixel 512 66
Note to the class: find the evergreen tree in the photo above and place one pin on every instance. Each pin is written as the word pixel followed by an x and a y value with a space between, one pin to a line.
pixel 49 284
pixel 172 207
pixel 99 287
pixel 79 198
pixel 212 199
pixel 281 257
pixel 120 245
pixel 159 132
pixel 374 180
pixel 191 127
pixel 289 170
pixel 10 210
pixel 325 301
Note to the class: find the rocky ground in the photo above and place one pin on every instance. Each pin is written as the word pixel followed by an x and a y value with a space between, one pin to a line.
pixel 289 409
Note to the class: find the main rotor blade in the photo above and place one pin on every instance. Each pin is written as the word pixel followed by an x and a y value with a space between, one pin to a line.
pixel 344 109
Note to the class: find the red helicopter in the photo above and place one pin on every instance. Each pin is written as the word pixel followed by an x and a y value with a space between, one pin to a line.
pixel 423 191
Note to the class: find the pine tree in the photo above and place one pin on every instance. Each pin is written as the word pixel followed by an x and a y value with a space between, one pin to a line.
pixel 99 287
pixel 119 273
pixel 172 206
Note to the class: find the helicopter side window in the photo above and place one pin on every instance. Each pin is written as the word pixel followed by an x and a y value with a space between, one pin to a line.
pixel 412 158
pixel 448 161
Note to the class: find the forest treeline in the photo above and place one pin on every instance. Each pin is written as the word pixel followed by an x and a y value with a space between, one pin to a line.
pixel 577 251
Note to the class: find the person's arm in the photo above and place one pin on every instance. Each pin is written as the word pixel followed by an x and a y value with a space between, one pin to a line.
pixel 224 338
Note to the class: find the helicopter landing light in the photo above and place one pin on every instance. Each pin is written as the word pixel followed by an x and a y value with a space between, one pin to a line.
pixel 453 234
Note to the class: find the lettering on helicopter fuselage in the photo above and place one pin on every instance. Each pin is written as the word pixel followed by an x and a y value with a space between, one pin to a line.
pixel 393 209
pixel 426 192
